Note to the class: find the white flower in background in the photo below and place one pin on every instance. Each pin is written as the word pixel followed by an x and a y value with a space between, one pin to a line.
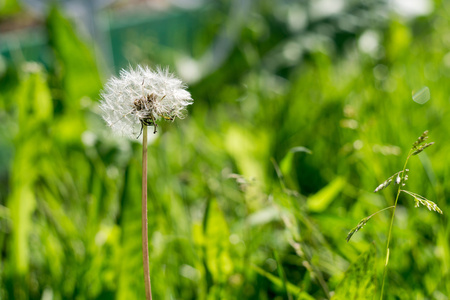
pixel 140 97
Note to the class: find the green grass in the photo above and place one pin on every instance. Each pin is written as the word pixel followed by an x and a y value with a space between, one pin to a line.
pixel 233 212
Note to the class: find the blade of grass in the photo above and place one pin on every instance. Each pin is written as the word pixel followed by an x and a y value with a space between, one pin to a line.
pixel 282 274
pixel 278 282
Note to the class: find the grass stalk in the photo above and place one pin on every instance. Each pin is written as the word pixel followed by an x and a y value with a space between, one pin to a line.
pixel 145 257
pixel 392 223
pixel 400 178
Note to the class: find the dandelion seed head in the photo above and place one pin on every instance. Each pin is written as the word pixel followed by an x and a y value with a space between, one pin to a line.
pixel 141 96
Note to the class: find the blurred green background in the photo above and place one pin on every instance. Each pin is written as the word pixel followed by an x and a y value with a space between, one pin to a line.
pixel 301 109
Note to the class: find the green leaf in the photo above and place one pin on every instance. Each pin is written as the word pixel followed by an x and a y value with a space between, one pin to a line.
pixel 282 274
pixel 79 70
pixel 248 150
pixel 218 260
pixel 286 163
pixel 22 203
pixel 359 280
pixel 323 198
pixel 9 7
pixel 293 289
pixel 34 103
pixel 130 269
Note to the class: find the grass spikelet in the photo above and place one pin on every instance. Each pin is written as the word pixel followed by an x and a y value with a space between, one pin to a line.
pixel 400 178
pixel 424 201
pixel 388 181
pixel 417 148
pixel 383 185
pixel 358 227
pixel 421 148
pixel 421 139
pixel 429 204
pixel 362 223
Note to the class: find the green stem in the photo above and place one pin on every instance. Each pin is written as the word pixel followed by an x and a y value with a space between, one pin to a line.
pixel 392 223
pixel 148 286
pixel 386 208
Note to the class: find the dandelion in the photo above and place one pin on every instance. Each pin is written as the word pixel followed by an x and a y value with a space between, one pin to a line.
pixel 141 97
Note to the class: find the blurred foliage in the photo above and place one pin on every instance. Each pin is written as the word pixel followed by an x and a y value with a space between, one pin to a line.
pixel 359 280
pixel 252 196
pixel 8 7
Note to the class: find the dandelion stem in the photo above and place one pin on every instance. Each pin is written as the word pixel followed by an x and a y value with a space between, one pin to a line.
pixel 148 287
pixel 392 222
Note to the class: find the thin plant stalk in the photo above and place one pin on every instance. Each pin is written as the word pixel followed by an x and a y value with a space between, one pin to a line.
pixel 148 286
pixel 392 222
pixel 417 147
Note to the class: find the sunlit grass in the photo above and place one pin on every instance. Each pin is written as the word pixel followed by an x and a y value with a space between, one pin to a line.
pixel 227 223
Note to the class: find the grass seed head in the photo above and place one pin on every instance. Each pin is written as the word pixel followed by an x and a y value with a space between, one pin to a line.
pixel 429 204
pixel 421 139
pixel 358 227
pixel 383 185
pixel 421 148
pixel 388 181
